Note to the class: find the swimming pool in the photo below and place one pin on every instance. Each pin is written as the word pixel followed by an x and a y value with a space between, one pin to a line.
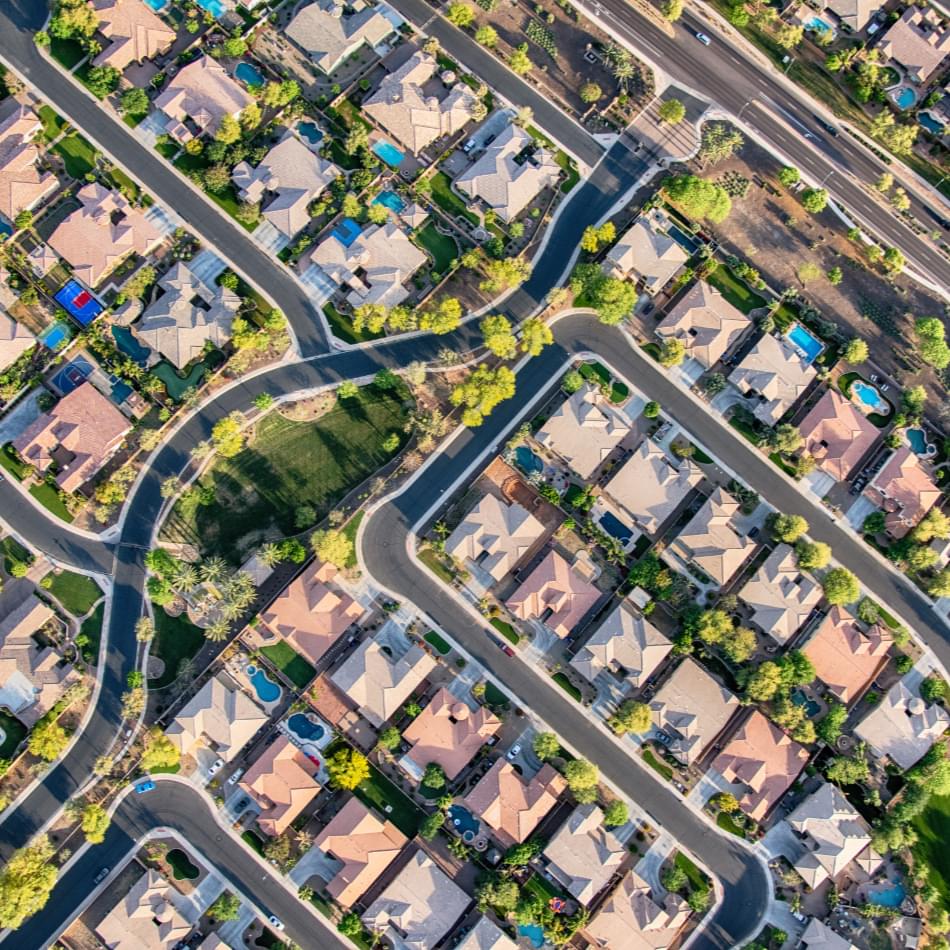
pixel 683 239
pixel 904 97
pixel 464 822
pixel 527 461
pixel 533 932
pixel 868 396
pixel 250 75
pixel 930 123
pixel 304 727
pixel 615 527
pixel 387 152
pixel 917 440
pixel 389 199
pixel 817 25
pixel 267 690
pixel 157 5
pixel 217 8
pixel 127 343
pixel 807 344
pixel 347 231
pixel 310 131
pixel 56 336
pixel 889 895
pixel 809 705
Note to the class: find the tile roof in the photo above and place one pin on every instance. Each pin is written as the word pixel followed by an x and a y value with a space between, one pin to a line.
pixel 22 184
pixel 837 434
pixel 630 918
pixel 905 489
pixel 486 935
pixel 775 371
pixel 282 781
pixel 919 41
pixel 647 251
pixel 15 340
pixel 136 33
pixel 150 917
pixel 204 93
pixel 855 13
pixel 819 936
pixel 328 34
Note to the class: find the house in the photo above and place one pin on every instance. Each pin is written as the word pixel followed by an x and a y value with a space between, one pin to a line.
pixel 833 834
pixel 855 14
pixel 780 595
pixel 906 491
pixel 819 936
pixel 32 676
pixel 448 733
pixel 494 536
pixel 902 727
pixel 918 41
pixel 626 644
pixel 78 435
pixel 220 717
pixel 201 93
pixel 650 485
pixel 287 179
pixel 837 434
pixel 312 612
pixel 22 184
pixel 329 31
pixel 712 541
pixel 363 846
pixel 692 709
pixel 511 805
pixel 486 935
pixel 583 855
pixel 100 234
pixel 151 916
pixel 847 657
pixel 15 340
pixel 555 595
pixel 373 267
pixel 706 323
pixel 584 430
pixel 378 683
pixel 632 919
pixel 775 374
pixel 510 173
pixel 417 108
pixel 282 782
pixel 134 32
pixel 647 252
pixel 762 759
pixel 187 316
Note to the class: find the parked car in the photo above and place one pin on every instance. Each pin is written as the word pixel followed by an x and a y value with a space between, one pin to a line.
pixel 216 767
pixel 514 752
pixel 145 786
pixel 233 780
pixel 468 146
pixel 275 922
pixel 101 876
pixel 705 40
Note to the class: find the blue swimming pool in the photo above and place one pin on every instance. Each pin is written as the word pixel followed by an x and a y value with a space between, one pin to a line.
pixel 917 440
pixel 806 343
pixel 683 239
pixel 127 343
pixel 56 336
pixel 310 131
pixel 250 75
pixel 267 690
pixel 930 123
pixel 533 932
pixel 387 152
pixel 869 397
pixel 305 728
pixel 527 461
pixel 817 25
pixel 347 231
pixel 889 895
pixel 615 527
pixel 217 8
pixel 809 705
pixel 389 199
pixel 464 822
pixel 157 5
pixel 905 98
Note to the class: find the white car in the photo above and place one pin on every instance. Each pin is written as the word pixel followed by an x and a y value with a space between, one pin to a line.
pixel 514 752
pixel 705 40
pixel 216 767
pixel 275 922
pixel 233 780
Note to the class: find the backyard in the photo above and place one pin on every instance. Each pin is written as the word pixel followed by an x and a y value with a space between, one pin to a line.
pixel 378 792
pixel 290 663
pixel 176 641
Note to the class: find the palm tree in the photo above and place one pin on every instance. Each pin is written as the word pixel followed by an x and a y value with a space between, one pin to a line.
pixel 230 610
pixel 612 52
pixel 269 555
pixel 213 569
pixel 218 631
pixel 185 579
pixel 623 70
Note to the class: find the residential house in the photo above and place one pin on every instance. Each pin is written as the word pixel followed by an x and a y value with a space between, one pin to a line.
pixel 287 179
pixel 584 430
pixel 819 936
pixel 646 252
pixel 22 184
pixel 583 855
pixel 282 781
pixel 134 32
pixel 555 595
pixel 706 322
pixel 846 656
pixel 378 683
pixel 187 316
pixel 626 645
pixel 762 759
pixel 712 541
pixel 416 107
pixel 775 374
pixel 494 536
pixel 511 805
pixel 15 340
pixel 102 233
pixel 151 916
pixel 650 485
pixel 312 612
pixel 780 595
pixel 448 733
pixel 219 717
pixel 834 835
pixel 363 846
pixel 78 435
pixel 837 434
pixel 854 14
pixel 418 907
pixel 692 709
pixel 906 491
pixel 374 267
pixel 918 41
pixel 510 173
pixel 486 935
pixel 902 727
pixel 632 919
pixel 330 32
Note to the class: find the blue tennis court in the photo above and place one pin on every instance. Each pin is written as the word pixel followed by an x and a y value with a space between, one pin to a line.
pixel 347 231
pixel 72 375
pixel 78 302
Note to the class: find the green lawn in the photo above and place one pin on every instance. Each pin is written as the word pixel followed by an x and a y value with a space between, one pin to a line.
pixel 442 247
pixel 438 642
pixel 92 628
pixel 350 529
pixel 734 290
pixel 13 553
pixel 290 663
pixel 728 823
pixel 13 734
pixel 657 765
pixel 342 326
pixel 568 687
pixel 506 630
pixel 933 832
pixel 447 200
pixel 289 464
pixel 49 498
pixel 66 52
pixel 433 561
pixel 53 122
pixel 124 183
pixel 378 792
pixel 176 639
pixel 249 837
pixel 9 461
pixel 76 592
pixel 748 432
pixel 494 696
pixel 78 155
pixel 696 877
pixel 570 170
pixel 181 865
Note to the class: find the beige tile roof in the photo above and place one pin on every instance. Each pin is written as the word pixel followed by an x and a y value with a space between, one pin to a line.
pixel 486 935
pixel 584 430
pixel 364 845
pixel 203 92
pixel 149 917
pixel 706 323
pixel 773 369
pixel 905 489
pixel 837 434
pixel 282 782
pixel 22 184
pixel 103 232
pixel 507 186
pixel 136 33
pixel 847 657
pixel 312 612
pixel 819 936
pixel 650 485
pixel 42 259
pixel 555 594
pixel 512 806
pixel 631 919
pixel 448 733
pixel 329 35
pixel 412 116
pixel 856 13
pixel 80 433
pixel 495 535
pixel 15 340
pixel 646 251
pixel 918 41
pixel 780 595
pixel 693 708
pixel 583 855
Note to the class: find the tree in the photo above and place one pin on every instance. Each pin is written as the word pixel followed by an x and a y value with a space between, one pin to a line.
pixel 481 392
pixel 699 198
pixel 160 752
pixel 616 814
pixel 505 273
pixel 673 878
pixel 442 317
pixel 582 779
pixel 611 297
pixel 250 117
pixel 812 555
pixel 461 14
pixel 434 776
pixel 546 746
pixel 590 92
pixel 840 586
pixel 134 102
pixel 726 802
pixel 856 351
pixel 499 893
pixel 347 768
pixel 389 738
pixel 848 770
pixel 535 335
pixel 497 336
pixel 893 260
pixel 788 528
pixel 631 716
pixel 672 111
pixel 830 726
pixel 874 523
pixel 672 352
pixel 698 899
pixel 789 175
pixel 934 524
pixel 48 740
pixel 356 138
pixel 834 275
pixel 672 10
pixel 487 36
pixel 763 684
pixel 884 183
pixel 572 381
pixel 333 546
pixel 900 200
pixel 350 925
pixel 933 688
pixel 226 907
pixel 227 435
pixel 229 131
pixel 789 36
pixel 101 80
pixel 377 213
pixel 95 823
pixel 139 282
pixel 521 855
pixel 432 825
pixel 278 94
pixel 26 881
pixel 651 410
pixel 785 439
pixel 931 342
pixel 740 646
pixel 814 200
pixel 719 142
pixel 519 61
pixel 890 835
